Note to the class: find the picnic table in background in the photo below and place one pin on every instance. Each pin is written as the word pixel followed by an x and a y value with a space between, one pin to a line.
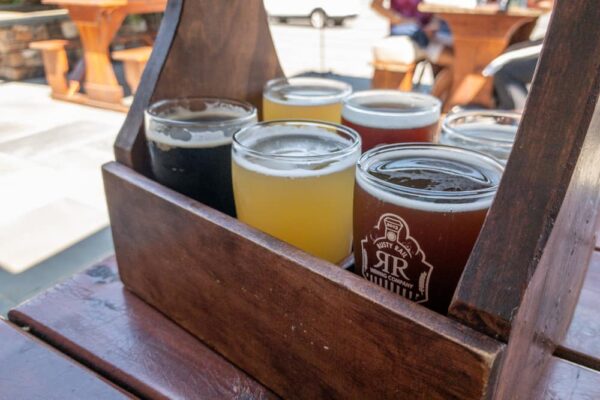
pixel 480 35
pixel 98 22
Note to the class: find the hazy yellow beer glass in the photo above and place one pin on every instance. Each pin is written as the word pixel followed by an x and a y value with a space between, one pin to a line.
pixel 295 180
pixel 304 98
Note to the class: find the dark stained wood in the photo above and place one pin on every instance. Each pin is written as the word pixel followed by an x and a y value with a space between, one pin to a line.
pixel 563 380
pixel 549 171
pixel 582 344
pixel 527 268
pixel 300 325
pixel 29 369
pixel 308 329
pixel 223 49
pixel 93 319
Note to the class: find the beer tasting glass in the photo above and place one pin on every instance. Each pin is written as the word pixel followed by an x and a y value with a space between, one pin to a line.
pixel 391 116
pixel 489 131
pixel 418 209
pixel 295 180
pixel 190 146
pixel 304 98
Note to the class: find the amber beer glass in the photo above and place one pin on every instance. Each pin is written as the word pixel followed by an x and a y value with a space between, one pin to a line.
pixel 190 146
pixel 391 116
pixel 418 209
pixel 295 181
pixel 304 98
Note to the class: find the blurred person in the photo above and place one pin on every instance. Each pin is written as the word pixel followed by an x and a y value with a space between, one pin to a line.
pixel 413 35
pixel 513 71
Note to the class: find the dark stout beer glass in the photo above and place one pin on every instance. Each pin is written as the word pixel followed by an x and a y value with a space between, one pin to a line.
pixel 190 146
pixel 418 209
pixel 492 132
pixel 391 116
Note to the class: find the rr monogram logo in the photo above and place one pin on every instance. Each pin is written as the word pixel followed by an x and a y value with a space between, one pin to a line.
pixel 393 259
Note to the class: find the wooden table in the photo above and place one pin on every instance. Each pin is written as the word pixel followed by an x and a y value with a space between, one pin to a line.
pixel 97 322
pixel 480 35
pixel 30 369
pixel 98 22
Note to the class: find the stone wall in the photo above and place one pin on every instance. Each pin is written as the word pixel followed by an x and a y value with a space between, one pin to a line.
pixel 17 60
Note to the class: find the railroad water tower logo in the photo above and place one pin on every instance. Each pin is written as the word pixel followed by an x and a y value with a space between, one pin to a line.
pixel 393 259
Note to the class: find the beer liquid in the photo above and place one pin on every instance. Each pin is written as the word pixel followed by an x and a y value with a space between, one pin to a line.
pixel 372 137
pixel 418 173
pixel 302 102
pixel 307 206
pixel 413 246
pixel 197 166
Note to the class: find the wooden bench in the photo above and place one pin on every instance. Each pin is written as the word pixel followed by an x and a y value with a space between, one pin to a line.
pixel 30 369
pixel 56 65
pixel 92 318
pixel 134 61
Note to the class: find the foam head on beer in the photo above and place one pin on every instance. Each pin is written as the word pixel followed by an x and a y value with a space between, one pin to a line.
pixel 190 146
pixel 314 99
pixel 418 210
pixel 492 132
pixel 391 116
pixel 294 180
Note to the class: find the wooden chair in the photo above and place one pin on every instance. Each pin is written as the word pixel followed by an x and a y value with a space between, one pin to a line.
pixel 308 329
pixel 388 75
pixel 134 61
pixel 56 65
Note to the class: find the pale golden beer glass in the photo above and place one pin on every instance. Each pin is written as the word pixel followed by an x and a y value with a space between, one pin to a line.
pixel 295 181
pixel 304 98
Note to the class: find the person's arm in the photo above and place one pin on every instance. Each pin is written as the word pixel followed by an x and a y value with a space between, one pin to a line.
pixel 391 15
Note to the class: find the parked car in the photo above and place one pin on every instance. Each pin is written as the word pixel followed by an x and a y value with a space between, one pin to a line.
pixel 319 12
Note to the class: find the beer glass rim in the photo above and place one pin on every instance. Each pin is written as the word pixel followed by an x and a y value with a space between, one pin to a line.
pixel 353 145
pixel 344 90
pixel 425 113
pixel 153 111
pixel 381 152
pixel 451 132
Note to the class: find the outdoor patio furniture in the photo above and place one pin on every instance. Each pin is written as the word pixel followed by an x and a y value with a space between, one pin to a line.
pixel 93 319
pixel 134 61
pixel 388 75
pixel 98 22
pixel 31 369
pixel 56 65
pixel 480 34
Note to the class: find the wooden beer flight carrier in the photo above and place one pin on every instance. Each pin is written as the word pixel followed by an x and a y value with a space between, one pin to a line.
pixel 308 329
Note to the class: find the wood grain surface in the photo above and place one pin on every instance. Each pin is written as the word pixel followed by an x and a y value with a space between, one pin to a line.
pixel 582 343
pixel 300 325
pixel 30 369
pixel 203 48
pixel 526 270
pixel 563 380
pixel 93 319
pixel 549 171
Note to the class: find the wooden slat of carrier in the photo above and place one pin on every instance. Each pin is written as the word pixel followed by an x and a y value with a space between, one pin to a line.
pixel 93 319
pixel 30 369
